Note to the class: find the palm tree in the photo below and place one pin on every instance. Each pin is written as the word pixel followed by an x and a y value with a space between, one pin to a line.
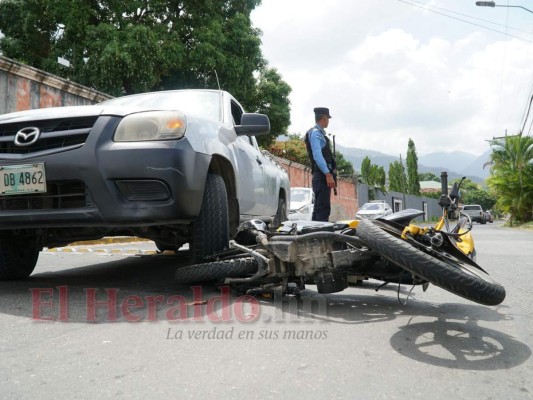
pixel 512 175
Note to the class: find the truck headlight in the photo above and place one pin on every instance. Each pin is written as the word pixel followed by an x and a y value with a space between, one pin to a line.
pixel 151 125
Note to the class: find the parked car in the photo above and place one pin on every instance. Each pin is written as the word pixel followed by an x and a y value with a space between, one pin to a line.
pixel 302 203
pixel 475 212
pixel 374 209
pixel 171 166
pixel 489 217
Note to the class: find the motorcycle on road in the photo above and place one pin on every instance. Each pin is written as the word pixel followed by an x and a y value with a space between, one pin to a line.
pixel 390 249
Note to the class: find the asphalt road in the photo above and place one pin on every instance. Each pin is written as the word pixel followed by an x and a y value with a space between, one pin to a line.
pixel 356 344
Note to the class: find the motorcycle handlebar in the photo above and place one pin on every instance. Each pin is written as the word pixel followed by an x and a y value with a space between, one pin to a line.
pixel 444 183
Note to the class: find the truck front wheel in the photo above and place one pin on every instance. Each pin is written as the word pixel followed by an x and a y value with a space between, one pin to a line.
pixel 211 229
pixel 18 256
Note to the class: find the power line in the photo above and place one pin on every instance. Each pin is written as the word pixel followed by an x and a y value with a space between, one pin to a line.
pixel 465 21
pixel 469 16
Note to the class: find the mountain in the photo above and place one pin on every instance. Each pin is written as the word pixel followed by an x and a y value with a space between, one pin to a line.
pixel 464 163
pixel 477 166
pixel 461 160
pixel 457 164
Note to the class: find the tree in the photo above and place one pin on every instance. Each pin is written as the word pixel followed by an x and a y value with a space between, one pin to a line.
pixel 397 178
pixel 272 98
pixel 294 149
pixel 138 46
pixel 473 193
pixel 481 197
pixel 378 177
pixel 372 174
pixel 428 176
pixel 512 176
pixel 413 184
pixel 344 167
pixel 467 186
pixel 366 170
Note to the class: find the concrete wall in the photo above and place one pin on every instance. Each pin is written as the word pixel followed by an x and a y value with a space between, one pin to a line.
pixel 343 206
pixel 23 88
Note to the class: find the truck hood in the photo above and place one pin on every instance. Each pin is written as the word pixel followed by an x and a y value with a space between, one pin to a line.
pixel 70 112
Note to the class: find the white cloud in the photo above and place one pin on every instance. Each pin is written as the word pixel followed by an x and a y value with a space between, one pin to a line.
pixel 389 73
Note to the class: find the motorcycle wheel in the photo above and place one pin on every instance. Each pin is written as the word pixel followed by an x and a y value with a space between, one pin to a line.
pixel 216 270
pixel 447 272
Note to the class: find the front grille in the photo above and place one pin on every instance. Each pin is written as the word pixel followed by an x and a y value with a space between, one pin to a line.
pixel 59 195
pixel 56 133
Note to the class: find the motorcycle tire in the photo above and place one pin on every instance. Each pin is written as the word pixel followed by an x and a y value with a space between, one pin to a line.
pixel 216 271
pixel 448 272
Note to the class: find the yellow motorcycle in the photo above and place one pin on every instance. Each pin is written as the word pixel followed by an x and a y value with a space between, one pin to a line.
pixel 391 249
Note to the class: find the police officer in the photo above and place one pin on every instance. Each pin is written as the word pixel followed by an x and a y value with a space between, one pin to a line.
pixel 322 164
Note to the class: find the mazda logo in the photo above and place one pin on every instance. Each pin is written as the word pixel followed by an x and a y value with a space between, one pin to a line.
pixel 27 136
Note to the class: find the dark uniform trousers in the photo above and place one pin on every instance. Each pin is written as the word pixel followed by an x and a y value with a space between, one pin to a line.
pixel 322 192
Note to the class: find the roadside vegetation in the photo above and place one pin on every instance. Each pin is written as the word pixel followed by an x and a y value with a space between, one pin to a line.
pixel 511 177
pixel 127 47
pixel 131 47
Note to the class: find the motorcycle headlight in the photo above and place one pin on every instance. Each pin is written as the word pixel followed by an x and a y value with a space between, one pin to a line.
pixel 151 125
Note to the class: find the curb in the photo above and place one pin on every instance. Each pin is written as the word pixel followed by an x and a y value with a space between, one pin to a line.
pixel 110 240
pixel 99 251
pixel 105 246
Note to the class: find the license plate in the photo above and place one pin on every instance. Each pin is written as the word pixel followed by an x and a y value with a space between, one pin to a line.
pixel 22 179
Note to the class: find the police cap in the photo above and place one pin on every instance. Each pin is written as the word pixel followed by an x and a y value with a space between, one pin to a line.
pixel 322 111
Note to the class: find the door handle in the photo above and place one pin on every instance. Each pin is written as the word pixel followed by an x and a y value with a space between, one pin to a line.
pixel 259 161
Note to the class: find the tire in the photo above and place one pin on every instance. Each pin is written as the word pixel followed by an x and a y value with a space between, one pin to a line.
pixel 449 273
pixel 18 256
pixel 281 214
pixel 216 270
pixel 211 230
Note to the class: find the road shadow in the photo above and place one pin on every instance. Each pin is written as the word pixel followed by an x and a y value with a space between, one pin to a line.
pixel 455 339
pixel 457 345
pixel 49 295
pixel 142 289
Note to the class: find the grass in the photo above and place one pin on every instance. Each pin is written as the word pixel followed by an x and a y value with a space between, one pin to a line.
pixel 526 225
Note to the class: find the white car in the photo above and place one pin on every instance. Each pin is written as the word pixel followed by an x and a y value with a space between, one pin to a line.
pixel 374 209
pixel 302 204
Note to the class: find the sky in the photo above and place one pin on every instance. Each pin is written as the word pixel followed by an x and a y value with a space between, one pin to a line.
pixel 445 73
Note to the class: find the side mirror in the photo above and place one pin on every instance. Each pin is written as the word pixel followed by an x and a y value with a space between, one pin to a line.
pixel 253 124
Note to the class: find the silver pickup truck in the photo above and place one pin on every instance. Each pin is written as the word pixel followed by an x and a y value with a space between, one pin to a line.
pixel 475 212
pixel 172 166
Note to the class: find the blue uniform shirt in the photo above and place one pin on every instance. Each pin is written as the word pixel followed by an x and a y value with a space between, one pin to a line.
pixel 317 140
